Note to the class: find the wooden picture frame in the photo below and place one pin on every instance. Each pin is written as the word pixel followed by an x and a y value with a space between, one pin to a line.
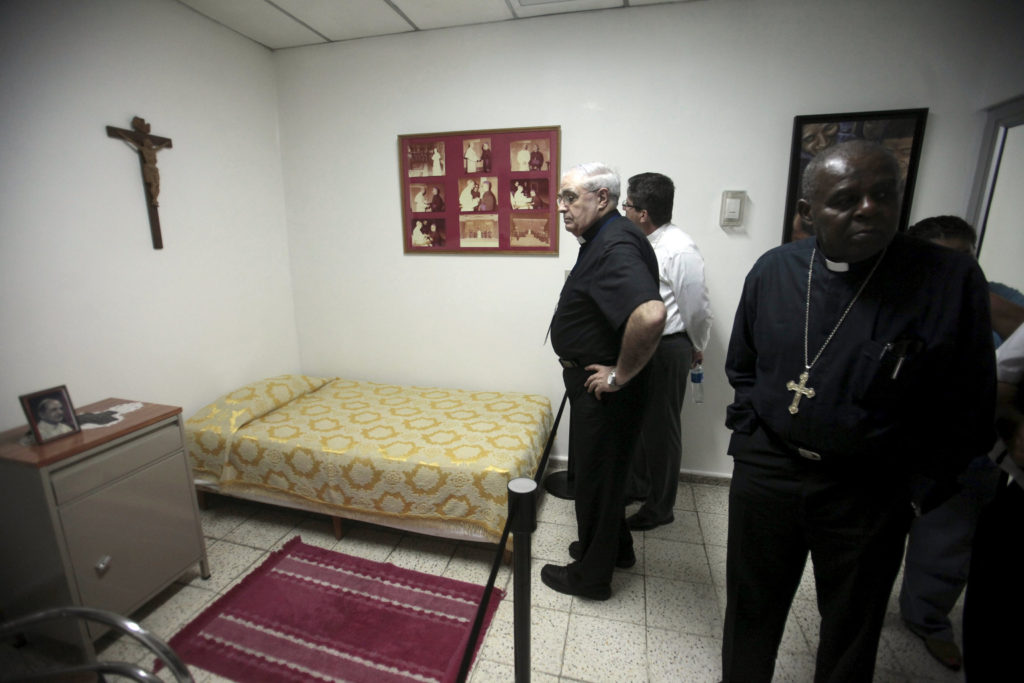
pixel 480 191
pixel 901 131
pixel 50 413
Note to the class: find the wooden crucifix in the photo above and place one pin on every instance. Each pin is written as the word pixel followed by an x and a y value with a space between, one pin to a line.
pixel 147 146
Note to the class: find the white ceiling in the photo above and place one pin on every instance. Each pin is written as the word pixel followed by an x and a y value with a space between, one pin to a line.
pixel 278 24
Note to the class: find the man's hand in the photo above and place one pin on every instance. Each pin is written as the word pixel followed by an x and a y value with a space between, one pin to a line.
pixel 698 358
pixel 597 383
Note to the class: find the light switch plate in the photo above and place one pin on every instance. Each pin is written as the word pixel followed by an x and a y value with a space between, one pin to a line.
pixel 733 206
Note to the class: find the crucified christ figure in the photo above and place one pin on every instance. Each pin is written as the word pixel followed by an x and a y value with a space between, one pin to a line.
pixel 147 148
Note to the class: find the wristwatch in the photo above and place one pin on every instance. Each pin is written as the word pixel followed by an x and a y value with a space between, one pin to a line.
pixel 611 378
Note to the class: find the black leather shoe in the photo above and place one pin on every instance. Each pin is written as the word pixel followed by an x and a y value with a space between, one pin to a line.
pixel 557 579
pixel 946 652
pixel 623 561
pixel 638 522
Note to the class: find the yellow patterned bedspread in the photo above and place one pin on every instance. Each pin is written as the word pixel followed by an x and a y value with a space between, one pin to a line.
pixel 399 452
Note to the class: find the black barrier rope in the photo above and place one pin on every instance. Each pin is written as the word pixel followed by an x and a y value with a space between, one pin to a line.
pixel 474 634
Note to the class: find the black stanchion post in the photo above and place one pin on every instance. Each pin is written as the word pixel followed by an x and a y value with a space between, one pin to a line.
pixel 522 510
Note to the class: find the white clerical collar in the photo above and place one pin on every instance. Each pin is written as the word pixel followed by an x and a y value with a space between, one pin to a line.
pixel 837 266
pixel 581 239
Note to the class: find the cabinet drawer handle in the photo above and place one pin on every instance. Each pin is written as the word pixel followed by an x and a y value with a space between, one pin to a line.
pixel 103 565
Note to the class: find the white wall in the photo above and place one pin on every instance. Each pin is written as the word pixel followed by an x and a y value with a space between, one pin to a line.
pixel 87 301
pixel 704 92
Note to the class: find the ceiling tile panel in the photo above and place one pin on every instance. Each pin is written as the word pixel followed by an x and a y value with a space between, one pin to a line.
pixel 634 3
pixel 542 7
pixel 347 19
pixel 257 20
pixel 428 14
pixel 294 23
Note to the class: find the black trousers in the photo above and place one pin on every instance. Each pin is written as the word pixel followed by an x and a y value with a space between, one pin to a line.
pixel 602 434
pixel 659 451
pixel 995 601
pixel 852 524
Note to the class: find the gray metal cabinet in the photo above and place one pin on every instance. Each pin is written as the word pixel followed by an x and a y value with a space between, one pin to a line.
pixel 106 518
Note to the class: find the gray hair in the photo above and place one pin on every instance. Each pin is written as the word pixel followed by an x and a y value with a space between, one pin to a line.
pixel 596 175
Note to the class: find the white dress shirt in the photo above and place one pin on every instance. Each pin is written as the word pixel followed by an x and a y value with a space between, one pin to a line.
pixel 1010 358
pixel 681 283
pixel 1010 369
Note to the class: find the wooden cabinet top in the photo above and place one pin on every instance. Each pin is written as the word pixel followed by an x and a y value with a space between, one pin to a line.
pixel 42 455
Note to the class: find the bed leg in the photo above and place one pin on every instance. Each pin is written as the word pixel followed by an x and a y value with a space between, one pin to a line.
pixel 506 556
pixel 336 521
pixel 201 500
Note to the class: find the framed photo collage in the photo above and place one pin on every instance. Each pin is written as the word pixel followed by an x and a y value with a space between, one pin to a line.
pixel 480 192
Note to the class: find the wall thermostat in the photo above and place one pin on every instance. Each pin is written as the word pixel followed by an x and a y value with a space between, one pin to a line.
pixel 733 204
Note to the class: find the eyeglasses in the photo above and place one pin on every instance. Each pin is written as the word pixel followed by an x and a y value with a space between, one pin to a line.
pixel 627 205
pixel 568 197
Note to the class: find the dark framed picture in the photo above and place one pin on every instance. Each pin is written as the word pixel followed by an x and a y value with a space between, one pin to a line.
pixel 900 131
pixel 480 191
pixel 50 413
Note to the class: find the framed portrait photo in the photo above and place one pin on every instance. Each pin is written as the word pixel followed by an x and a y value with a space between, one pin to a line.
pixel 50 413
pixel 480 191
pixel 899 131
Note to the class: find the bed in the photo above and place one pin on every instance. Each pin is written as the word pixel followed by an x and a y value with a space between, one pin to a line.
pixel 432 461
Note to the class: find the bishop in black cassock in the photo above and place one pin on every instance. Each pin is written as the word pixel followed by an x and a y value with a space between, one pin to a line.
pixel 864 379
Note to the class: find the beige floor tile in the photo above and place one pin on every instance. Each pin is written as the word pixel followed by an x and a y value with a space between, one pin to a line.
pixel 551 542
pixel 677 561
pixel 684 498
pixel 547 641
pixel 714 527
pixel 800 636
pixel 599 649
pixel 556 510
pixel 474 564
pixel 905 652
pixel 317 530
pixel 626 604
pixel 673 656
pixel 228 561
pixel 493 672
pixel 423 554
pixel 716 559
pixel 224 515
pixel 711 498
pixel 682 606
pixel 685 527
pixel 266 529
pixel 368 542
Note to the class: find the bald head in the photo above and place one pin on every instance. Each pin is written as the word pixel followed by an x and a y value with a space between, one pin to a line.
pixel 838 154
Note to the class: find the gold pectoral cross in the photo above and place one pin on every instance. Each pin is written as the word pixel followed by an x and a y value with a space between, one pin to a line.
pixel 801 390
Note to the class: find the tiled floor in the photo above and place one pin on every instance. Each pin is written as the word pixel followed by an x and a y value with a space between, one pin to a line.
pixel 663 622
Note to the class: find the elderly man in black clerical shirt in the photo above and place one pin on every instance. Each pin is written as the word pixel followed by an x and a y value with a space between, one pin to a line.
pixel 864 379
pixel 607 325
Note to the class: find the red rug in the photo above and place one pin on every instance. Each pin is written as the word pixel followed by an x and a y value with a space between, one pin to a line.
pixel 309 614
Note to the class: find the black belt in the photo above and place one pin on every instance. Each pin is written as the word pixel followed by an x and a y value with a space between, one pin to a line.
pixel 570 363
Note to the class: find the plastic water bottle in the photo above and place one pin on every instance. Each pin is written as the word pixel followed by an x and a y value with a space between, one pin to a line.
pixel 697 383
